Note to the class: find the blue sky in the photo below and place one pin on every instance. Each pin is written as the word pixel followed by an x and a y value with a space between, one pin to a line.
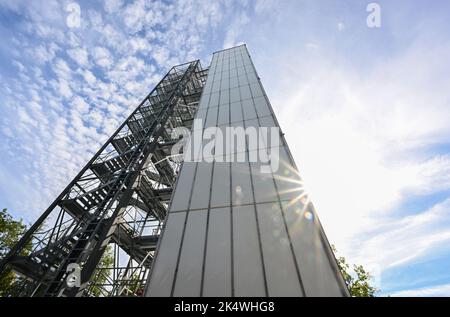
pixel 365 110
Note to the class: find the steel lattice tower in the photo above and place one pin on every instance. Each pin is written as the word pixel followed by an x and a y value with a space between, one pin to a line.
pixel 119 198
pixel 191 228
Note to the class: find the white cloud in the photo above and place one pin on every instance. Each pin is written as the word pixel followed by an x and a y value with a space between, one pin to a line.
pixel 134 16
pixel 434 291
pixel 19 65
pixel 361 140
pixel 161 55
pixel 25 118
pixel 408 238
pixel 79 55
pixel 139 44
pixel 95 19
pixel 68 127
pixel 80 105
pixel 234 30
pixel 64 89
pixel 102 57
pixel 265 6
pixel 88 77
pixel 43 54
pixel 62 69
pixel 112 6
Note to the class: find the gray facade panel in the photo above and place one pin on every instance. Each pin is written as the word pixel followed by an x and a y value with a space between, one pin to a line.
pixel 263 185
pixel 262 107
pixel 220 191
pixel 164 268
pixel 180 199
pixel 237 240
pixel 202 185
pixel 236 111
pixel 248 267
pixel 211 118
pixel 279 262
pixel 224 115
pixel 189 274
pixel 249 109
pixel 318 276
pixel 241 184
pixel 217 279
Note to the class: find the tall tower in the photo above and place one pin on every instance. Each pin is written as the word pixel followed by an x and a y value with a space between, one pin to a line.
pixel 221 224
pixel 235 229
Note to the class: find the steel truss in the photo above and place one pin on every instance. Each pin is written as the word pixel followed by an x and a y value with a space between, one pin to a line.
pixel 119 199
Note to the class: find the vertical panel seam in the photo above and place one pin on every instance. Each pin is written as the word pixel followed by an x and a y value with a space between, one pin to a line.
pixel 266 291
pixel 209 200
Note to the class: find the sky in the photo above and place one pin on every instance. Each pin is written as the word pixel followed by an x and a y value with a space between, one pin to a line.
pixel 364 110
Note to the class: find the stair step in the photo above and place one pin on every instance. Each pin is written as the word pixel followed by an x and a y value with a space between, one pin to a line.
pixel 105 170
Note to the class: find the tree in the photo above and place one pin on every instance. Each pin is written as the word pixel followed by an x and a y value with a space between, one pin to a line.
pixel 102 273
pixel 358 281
pixel 10 232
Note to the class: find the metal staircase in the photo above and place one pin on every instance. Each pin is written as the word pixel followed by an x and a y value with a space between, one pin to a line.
pixel 119 199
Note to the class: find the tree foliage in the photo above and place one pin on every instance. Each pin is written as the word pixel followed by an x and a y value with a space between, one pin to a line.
pixel 102 273
pixel 356 278
pixel 10 232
